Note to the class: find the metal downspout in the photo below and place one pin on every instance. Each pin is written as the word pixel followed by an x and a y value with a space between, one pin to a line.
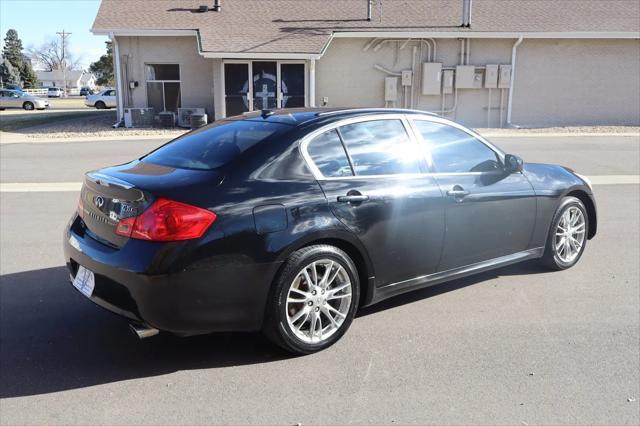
pixel 118 70
pixel 513 77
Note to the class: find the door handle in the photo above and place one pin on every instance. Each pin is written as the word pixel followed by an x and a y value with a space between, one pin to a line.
pixel 359 198
pixel 457 192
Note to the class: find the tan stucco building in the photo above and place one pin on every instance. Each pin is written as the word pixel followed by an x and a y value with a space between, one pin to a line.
pixel 515 62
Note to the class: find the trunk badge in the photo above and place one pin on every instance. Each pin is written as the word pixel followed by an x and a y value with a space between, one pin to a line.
pixel 98 201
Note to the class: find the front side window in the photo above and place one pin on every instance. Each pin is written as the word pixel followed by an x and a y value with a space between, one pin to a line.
pixel 380 147
pixel 163 87
pixel 455 151
pixel 328 154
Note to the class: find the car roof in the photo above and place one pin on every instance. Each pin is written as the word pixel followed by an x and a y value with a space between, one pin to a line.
pixel 299 116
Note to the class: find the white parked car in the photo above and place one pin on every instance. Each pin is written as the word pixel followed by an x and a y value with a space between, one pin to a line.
pixel 102 100
pixel 55 92
pixel 15 99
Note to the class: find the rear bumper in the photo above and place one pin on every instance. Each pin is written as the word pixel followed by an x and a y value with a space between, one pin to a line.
pixel 208 295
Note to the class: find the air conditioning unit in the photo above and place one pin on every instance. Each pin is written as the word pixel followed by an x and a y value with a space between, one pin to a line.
pixel 184 115
pixel 138 117
pixel 198 120
pixel 167 119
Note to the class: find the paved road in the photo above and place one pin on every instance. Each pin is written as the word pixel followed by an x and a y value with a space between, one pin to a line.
pixel 519 345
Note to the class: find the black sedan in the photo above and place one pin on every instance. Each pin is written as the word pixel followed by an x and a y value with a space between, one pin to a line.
pixel 288 222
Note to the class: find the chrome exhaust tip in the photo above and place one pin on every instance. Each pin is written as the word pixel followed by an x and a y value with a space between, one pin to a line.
pixel 142 331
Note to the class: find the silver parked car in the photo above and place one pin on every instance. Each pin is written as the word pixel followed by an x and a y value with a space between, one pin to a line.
pixel 15 99
pixel 55 92
pixel 102 100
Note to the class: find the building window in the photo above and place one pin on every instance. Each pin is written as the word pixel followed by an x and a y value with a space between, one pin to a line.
pixel 163 87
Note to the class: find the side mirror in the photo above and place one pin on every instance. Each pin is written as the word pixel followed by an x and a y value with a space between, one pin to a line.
pixel 513 163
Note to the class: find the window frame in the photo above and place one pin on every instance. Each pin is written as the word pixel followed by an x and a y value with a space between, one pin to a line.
pixel 427 152
pixel 146 82
pixel 304 142
pixel 249 63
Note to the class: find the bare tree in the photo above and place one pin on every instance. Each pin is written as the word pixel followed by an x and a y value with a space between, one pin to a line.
pixel 49 56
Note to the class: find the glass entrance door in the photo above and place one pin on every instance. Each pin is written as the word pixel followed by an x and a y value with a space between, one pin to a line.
pixel 292 86
pixel 237 93
pixel 265 85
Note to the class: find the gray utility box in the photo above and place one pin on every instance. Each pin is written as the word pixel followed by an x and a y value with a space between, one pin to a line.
pixel 431 78
pixel 491 77
pixel 447 82
pixel 504 77
pixel 465 77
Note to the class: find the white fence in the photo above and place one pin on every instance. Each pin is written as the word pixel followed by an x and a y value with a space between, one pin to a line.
pixel 35 91
pixel 43 91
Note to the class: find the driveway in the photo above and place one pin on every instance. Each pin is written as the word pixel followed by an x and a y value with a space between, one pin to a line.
pixel 519 345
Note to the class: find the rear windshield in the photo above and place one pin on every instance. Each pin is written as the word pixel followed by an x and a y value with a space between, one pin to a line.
pixel 214 146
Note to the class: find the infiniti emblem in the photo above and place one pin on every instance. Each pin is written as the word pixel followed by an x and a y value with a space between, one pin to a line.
pixel 98 201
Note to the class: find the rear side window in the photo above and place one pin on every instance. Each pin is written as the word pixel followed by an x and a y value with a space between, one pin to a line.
pixel 328 154
pixel 214 146
pixel 455 151
pixel 380 147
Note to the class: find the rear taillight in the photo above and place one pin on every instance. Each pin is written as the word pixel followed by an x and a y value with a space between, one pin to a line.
pixel 167 220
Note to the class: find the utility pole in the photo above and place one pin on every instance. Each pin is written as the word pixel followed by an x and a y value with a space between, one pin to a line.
pixel 64 36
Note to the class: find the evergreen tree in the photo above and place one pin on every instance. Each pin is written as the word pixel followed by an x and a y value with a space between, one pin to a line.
pixel 8 74
pixel 28 75
pixel 12 50
pixel 103 67
pixel 12 53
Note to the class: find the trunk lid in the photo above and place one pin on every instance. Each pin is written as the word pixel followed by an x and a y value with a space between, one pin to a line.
pixel 114 193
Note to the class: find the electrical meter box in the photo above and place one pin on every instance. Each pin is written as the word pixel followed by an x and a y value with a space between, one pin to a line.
pixel 504 77
pixel 407 77
pixel 491 77
pixel 431 73
pixel 465 76
pixel 447 82
pixel 391 89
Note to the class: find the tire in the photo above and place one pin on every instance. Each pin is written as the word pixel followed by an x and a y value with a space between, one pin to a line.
pixel 340 294
pixel 28 106
pixel 100 105
pixel 555 253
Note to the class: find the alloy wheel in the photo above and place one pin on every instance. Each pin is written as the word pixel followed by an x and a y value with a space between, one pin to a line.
pixel 570 234
pixel 318 301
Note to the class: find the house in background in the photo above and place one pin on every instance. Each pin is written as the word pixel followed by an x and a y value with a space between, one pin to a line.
pixel 76 79
pixel 489 63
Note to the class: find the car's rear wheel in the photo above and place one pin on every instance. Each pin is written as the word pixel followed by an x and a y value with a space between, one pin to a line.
pixel 28 106
pixel 314 300
pixel 101 105
pixel 567 237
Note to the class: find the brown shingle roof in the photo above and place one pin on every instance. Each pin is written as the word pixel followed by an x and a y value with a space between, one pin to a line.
pixel 304 26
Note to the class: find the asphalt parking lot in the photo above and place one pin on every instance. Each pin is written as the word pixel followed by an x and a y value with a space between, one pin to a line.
pixel 519 345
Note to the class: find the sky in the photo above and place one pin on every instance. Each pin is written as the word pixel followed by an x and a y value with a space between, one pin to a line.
pixel 38 20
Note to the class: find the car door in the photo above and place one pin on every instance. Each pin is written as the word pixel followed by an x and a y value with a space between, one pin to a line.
pixel 12 99
pixel 371 171
pixel 489 212
pixel 110 98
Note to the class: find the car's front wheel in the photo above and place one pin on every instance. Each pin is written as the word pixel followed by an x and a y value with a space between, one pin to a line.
pixel 101 105
pixel 567 237
pixel 314 299
pixel 28 106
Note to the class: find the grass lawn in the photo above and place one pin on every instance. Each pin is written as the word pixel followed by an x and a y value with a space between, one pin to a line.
pixel 17 121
